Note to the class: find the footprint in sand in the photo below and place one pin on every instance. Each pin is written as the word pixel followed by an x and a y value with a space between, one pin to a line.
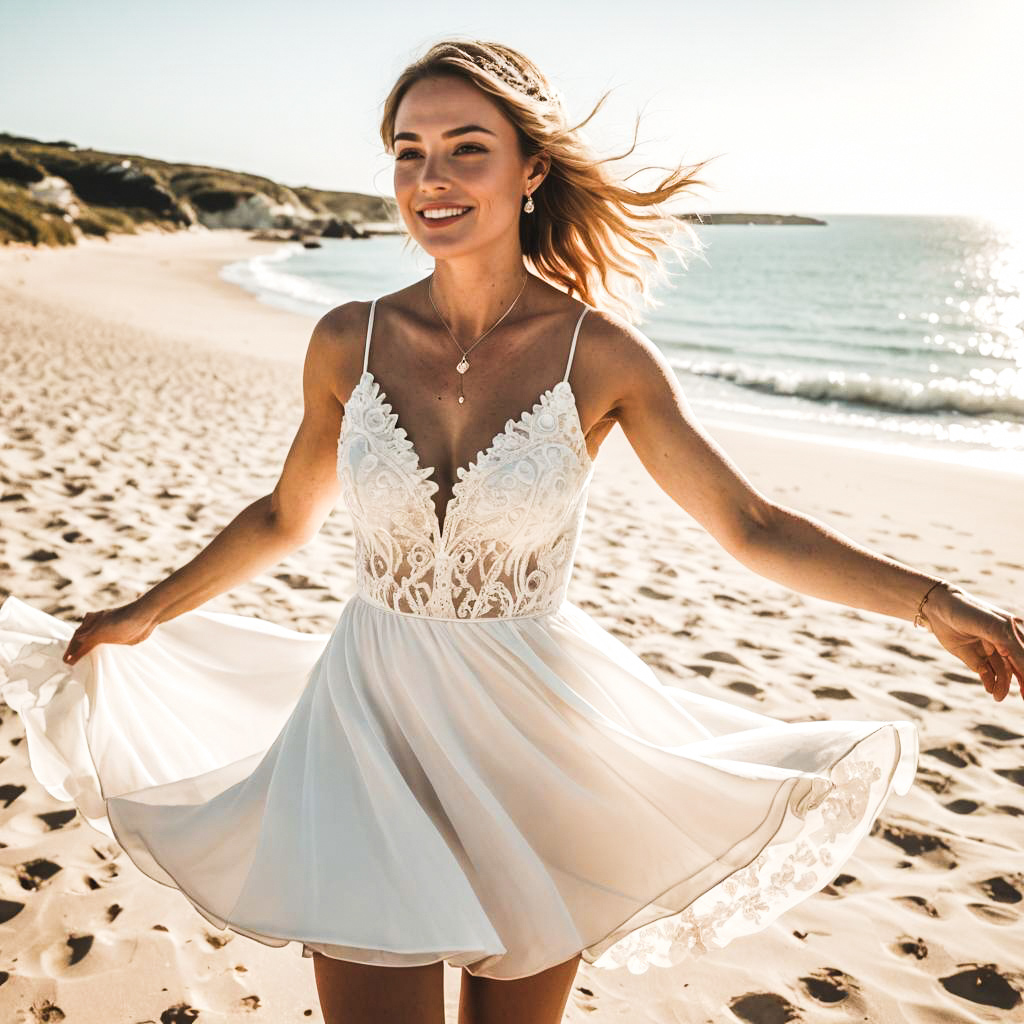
pixel 1002 890
pixel 959 677
pixel 910 947
pixel 180 1013
pixel 729 659
pixel 919 844
pixel 586 1000
pixel 760 1007
pixel 919 700
pixel 962 806
pixel 984 986
pixel 9 792
pixel 9 909
pixel 34 874
pixel 900 649
pixel 57 819
pixel 997 732
pixel 937 782
pixel 994 915
pixel 918 903
pixel 1013 774
pixel 832 693
pixel 747 689
pixel 829 985
pixel 957 755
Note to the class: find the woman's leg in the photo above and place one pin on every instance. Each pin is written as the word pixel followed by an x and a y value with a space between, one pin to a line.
pixel 537 999
pixel 353 993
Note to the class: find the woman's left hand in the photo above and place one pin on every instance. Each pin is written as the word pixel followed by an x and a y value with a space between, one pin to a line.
pixel 987 639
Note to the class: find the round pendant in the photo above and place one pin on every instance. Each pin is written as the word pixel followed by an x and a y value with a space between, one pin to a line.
pixel 463 365
pixel 461 399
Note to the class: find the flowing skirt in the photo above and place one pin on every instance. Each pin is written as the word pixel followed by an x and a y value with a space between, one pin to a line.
pixel 501 794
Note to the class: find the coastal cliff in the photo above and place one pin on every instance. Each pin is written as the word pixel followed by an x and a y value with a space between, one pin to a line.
pixel 53 193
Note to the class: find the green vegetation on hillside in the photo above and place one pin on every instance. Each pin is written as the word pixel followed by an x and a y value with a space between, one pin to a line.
pixel 53 193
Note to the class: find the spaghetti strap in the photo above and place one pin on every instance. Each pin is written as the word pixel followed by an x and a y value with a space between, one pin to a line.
pixel 369 331
pixel 572 349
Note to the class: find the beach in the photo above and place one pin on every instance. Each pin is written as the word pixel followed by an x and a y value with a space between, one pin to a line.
pixel 145 402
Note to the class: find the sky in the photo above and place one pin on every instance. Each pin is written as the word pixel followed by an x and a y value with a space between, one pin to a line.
pixel 883 106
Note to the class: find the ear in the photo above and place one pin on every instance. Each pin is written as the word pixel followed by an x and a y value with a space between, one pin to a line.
pixel 539 166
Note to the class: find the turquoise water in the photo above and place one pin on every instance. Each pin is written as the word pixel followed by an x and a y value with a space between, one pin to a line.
pixel 896 332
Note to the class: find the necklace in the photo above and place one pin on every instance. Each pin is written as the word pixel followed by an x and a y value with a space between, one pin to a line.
pixel 463 364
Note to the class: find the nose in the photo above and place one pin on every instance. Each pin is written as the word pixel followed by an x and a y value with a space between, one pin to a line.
pixel 434 174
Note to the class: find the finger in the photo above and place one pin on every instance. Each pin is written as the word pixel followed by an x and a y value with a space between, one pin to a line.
pixel 995 666
pixel 1001 675
pixel 74 648
pixel 978 665
pixel 1011 650
pixel 1002 682
pixel 82 650
pixel 1017 652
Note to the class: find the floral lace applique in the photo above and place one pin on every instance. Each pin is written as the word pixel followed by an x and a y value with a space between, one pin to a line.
pixel 781 876
pixel 510 530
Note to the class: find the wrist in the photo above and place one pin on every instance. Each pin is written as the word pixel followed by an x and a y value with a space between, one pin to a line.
pixel 934 600
pixel 148 608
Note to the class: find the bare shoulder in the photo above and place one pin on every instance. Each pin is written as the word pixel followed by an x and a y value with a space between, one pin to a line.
pixel 619 362
pixel 335 352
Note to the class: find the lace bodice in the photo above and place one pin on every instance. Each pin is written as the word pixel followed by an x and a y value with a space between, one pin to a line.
pixel 508 541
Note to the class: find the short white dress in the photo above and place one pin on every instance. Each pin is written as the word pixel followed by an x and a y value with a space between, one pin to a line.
pixel 468 767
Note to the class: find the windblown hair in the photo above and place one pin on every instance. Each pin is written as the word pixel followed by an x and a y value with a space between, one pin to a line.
pixel 591 233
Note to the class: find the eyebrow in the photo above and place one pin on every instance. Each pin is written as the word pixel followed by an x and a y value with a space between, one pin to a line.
pixel 464 130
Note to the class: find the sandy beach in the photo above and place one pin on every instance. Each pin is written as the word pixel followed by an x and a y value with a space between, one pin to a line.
pixel 144 402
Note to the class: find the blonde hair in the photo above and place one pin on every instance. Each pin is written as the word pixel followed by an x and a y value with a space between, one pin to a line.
pixel 591 233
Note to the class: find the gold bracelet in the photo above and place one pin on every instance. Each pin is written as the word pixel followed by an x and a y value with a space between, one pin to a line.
pixel 920 608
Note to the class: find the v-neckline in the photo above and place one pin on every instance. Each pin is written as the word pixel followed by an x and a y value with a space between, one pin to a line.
pixel 463 472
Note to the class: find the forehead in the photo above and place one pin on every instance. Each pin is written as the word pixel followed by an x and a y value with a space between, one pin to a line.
pixel 434 104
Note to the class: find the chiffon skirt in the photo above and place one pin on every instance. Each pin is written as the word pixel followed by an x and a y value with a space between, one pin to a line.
pixel 501 794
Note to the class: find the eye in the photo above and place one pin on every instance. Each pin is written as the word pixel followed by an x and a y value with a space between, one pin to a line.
pixel 471 146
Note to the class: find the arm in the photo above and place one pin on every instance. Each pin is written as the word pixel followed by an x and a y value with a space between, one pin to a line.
pixel 273 526
pixel 781 543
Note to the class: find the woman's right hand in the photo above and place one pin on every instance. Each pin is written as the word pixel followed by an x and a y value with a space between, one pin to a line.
pixel 126 624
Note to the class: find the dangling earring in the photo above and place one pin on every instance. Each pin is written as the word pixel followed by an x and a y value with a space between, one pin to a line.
pixel 529 207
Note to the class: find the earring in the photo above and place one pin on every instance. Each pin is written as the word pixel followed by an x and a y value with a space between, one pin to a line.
pixel 529 207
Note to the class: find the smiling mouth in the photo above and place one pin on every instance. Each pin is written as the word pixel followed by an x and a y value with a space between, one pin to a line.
pixel 443 215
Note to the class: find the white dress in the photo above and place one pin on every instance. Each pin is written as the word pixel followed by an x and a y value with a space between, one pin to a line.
pixel 468 767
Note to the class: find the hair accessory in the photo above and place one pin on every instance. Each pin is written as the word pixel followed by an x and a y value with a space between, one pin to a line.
pixel 529 207
pixel 515 77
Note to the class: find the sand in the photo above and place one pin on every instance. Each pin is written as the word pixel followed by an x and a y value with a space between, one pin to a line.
pixel 144 402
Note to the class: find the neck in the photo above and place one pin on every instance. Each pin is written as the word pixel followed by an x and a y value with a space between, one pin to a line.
pixel 471 292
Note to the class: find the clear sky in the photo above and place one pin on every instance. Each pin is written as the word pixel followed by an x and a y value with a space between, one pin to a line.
pixel 880 106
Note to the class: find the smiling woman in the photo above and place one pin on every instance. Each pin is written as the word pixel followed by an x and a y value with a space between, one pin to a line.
pixel 469 769
pixel 593 236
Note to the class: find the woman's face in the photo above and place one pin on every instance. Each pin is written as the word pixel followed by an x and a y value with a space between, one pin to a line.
pixel 454 149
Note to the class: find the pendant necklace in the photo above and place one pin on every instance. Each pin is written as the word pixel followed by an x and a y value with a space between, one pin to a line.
pixel 463 364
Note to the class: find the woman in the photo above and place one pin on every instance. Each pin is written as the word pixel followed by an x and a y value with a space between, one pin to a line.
pixel 469 769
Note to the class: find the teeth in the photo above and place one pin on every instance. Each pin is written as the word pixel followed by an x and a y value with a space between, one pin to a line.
pixel 450 211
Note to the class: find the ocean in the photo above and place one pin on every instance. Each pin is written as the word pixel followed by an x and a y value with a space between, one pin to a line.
pixel 898 333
